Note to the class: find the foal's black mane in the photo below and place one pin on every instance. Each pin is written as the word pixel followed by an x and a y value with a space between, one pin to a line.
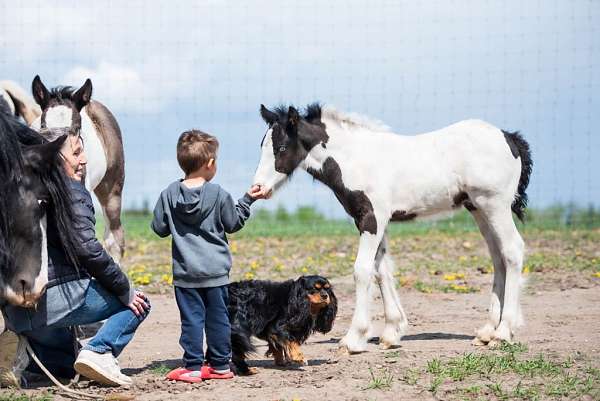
pixel 311 113
pixel 14 138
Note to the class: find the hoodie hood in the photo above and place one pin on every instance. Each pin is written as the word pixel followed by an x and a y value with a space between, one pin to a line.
pixel 192 204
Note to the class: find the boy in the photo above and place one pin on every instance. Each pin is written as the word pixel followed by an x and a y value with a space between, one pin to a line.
pixel 198 214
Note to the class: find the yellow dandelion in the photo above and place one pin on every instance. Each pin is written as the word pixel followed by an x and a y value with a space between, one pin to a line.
pixel 249 276
pixel 304 270
pixel 254 265
pixel 462 258
pixel 526 270
pixel 449 277
pixel 597 274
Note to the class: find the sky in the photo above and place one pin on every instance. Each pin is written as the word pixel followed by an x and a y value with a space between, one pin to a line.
pixel 165 67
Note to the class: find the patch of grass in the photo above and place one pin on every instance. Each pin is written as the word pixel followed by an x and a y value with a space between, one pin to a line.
pixel 509 374
pixel 160 369
pixel 380 382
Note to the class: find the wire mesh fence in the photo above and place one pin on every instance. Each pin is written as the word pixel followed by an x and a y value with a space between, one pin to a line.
pixel 417 66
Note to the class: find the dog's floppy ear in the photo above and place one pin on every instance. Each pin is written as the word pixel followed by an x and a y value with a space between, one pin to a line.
pixel 298 310
pixel 326 317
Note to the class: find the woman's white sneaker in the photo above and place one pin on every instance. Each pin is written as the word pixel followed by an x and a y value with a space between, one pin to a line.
pixel 102 368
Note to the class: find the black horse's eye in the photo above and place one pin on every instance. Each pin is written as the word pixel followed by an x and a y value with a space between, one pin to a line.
pixel 282 149
pixel 43 203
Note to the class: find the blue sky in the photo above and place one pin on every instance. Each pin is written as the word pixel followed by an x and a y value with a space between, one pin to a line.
pixel 416 65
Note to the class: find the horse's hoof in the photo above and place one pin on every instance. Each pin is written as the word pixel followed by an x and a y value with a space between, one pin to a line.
pixel 478 342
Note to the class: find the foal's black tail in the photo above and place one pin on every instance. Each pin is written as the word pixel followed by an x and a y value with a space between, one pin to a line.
pixel 520 148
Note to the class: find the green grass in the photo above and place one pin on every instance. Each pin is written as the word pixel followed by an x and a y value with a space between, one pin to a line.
pixel 160 369
pixel 508 373
pixel 306 221
pixel 381 381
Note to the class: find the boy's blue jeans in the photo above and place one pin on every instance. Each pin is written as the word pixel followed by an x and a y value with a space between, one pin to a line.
pixel 54 344
pixel 204 309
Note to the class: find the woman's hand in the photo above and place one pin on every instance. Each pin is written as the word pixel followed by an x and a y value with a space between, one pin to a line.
pixel 139 305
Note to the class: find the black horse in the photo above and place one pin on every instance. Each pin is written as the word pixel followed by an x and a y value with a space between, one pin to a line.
pixel 33 193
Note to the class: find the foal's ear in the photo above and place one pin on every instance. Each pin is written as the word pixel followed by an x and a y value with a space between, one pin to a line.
pixel 267 115
pixel 83 95
pixel 293 116
pixel 40 92
pixel 42 157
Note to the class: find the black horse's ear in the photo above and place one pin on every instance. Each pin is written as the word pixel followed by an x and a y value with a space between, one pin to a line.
pixel 293 116
pixel 83 95
pixel 326 317
pixel 41 157
pixel 40 92
pixel 267 115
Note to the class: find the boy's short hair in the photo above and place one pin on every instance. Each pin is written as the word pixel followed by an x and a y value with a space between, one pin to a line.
pixel 194 149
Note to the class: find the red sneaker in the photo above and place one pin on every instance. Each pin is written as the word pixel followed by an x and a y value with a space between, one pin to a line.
pixel 185 375
pixel 206 372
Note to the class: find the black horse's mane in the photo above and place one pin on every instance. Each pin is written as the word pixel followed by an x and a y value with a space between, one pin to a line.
pixel 14 138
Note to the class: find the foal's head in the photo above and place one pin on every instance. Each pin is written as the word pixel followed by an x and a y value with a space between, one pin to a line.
pixel 61 105
pixel 288 140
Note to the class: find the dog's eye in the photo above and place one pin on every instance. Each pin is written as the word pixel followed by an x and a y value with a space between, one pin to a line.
pixel 282 149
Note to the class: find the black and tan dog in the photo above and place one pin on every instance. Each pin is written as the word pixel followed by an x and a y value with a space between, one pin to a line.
pixel 284 314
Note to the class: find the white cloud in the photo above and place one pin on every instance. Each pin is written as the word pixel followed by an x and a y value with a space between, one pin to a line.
pixel 119 87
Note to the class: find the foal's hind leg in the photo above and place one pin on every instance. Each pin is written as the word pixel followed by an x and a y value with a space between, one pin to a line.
pixel 110 200
pixel 511 249
pixel 396 322
pixel 485 333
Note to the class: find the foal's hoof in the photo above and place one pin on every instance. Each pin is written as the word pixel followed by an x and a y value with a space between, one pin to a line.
pixel 478 342
pixel 342 351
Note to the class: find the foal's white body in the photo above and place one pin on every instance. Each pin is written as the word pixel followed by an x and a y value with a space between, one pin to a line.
pixel 421 174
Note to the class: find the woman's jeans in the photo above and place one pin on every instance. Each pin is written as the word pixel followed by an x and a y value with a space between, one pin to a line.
pixel 54 344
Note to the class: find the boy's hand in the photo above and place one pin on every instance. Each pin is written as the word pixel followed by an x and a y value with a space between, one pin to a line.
pixel 256 192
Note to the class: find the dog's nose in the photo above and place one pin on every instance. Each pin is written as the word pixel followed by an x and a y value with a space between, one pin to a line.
pixel 324 295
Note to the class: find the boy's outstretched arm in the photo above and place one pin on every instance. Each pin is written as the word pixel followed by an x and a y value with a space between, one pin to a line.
pixel 160 223
pixel 234 215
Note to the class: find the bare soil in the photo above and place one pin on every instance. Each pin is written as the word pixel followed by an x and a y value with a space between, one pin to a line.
pixel 560 323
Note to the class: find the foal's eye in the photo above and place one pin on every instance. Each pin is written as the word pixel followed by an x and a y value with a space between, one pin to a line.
pixel 282 149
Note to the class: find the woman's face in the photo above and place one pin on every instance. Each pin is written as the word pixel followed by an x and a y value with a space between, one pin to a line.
pixel 74 159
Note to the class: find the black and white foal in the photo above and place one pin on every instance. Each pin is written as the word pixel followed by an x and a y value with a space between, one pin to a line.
pixel 379 177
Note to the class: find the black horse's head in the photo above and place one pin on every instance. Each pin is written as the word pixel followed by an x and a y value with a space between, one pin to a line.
pixel 289 139
pixel 33 190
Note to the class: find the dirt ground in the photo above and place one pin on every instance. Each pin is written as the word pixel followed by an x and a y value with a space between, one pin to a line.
pixel 559 324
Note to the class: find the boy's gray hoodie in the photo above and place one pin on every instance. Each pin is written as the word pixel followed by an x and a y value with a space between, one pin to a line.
pixel 198 219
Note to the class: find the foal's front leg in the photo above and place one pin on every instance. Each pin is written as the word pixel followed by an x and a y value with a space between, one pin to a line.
pixel 364 268
pixel 396 322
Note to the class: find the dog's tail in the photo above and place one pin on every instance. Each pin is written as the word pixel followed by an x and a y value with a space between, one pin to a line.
pixel 241 346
